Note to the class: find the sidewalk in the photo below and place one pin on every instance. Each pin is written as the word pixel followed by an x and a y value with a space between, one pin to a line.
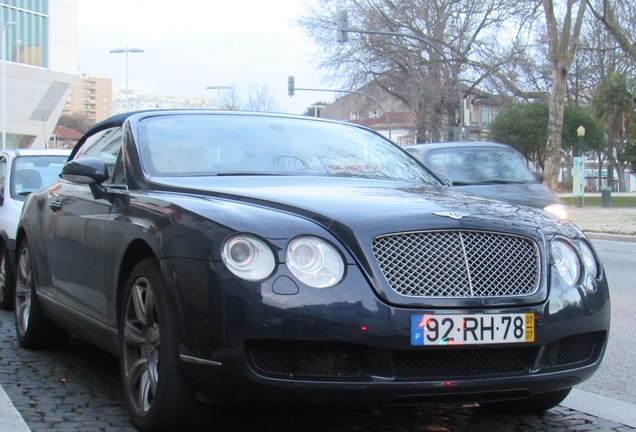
pixel 11 420
pixel 614 220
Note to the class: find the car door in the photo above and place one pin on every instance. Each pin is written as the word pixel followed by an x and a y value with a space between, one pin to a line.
pixel 74 231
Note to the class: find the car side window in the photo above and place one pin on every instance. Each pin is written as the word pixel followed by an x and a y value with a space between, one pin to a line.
pixel 105 145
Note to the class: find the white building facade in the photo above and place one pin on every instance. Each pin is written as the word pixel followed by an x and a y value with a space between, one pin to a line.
pixel 41 57
pixel 133 102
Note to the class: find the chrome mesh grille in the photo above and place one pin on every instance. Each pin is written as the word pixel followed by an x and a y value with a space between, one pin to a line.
pixel 458 264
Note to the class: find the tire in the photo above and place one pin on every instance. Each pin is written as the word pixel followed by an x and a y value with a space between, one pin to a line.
pixel 156 392
pixel 6 280
pixel 532 405
pixel 33 328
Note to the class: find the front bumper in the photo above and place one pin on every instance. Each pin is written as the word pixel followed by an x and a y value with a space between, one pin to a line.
pixel 279 341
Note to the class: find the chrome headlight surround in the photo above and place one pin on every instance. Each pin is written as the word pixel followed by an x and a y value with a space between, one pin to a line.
pixel 589 259
pixel 248 257
pixel 314 262
pixel 566 260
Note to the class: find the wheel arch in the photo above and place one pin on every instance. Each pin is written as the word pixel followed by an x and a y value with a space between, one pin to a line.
pixel 19 235
pixel 136 252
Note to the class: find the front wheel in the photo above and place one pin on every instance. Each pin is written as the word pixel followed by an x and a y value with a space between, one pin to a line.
pixel 156 392
pixel 532 405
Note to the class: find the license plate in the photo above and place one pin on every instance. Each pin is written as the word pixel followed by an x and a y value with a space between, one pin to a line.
pixel 472 329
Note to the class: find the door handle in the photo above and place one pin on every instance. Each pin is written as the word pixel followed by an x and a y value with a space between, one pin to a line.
pixel 55 205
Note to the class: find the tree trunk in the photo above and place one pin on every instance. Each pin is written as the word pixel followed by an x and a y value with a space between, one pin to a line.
pixel 423 134
pixel 610 165
pixel 563 45
pixel 555 126
pixel 600 170
pixel 620 170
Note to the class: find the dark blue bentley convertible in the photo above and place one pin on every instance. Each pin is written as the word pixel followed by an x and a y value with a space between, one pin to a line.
pixel 240 257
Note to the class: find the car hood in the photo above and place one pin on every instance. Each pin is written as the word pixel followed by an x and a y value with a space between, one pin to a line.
pixel 370 207
pixel 529 194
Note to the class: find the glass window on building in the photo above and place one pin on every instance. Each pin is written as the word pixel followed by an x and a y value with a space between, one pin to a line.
pixel 474 112
pixel 354 115
pixel 27 41
pixel 485 115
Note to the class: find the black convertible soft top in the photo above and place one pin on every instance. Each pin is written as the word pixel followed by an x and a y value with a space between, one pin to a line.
pixel 113 121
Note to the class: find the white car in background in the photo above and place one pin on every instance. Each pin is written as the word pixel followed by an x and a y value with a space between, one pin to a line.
pixel 22 171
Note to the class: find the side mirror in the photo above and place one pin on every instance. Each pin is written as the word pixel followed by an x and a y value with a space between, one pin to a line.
pixel 90 170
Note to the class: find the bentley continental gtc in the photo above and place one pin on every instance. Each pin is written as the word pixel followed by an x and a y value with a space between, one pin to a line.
pixel 233 257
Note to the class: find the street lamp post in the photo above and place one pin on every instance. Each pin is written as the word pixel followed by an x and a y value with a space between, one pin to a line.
pixel 218 92
pixel 4 83
pixel 126 51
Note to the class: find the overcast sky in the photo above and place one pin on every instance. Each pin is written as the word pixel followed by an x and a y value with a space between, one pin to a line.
pixel 194 44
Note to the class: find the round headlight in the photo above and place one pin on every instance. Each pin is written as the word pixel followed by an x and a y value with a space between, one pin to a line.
pixel 248 257
pixel 566 261
pixel 589 259
pixel 314 262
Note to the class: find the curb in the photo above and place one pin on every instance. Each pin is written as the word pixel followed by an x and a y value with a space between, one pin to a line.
pixel 12 421
pixel 601 406
pixel 612 237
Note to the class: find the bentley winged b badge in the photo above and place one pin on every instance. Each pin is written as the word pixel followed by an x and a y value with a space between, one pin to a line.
pixel 452 215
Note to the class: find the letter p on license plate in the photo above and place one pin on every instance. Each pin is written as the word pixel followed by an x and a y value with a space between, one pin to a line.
pixel 472 329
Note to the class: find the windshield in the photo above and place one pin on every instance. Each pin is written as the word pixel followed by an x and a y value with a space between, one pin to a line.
pixel 209 145
pixel 35 172
pixel 479 165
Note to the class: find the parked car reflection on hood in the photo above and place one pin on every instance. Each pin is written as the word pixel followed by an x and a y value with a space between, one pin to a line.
pixel 491 170
pixel 248 257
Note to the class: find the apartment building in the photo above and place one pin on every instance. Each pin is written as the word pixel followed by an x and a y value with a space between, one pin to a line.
pixel 91 97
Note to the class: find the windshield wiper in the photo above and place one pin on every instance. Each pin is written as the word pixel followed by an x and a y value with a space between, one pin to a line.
pixel 495 181
pixel 269 173
pixel 249 173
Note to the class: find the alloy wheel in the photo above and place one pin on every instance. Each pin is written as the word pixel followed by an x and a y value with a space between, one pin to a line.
pixel 23 291
pixel 141 340
pixel 4 274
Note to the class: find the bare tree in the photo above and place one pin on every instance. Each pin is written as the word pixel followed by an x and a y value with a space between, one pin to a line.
pixel 620 25
pixel 563 36
pixel 598 56
pixel 447 41
pixel 260 98
pixel 231 99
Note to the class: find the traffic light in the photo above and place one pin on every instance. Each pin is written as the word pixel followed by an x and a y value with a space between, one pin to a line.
pixel 342 24
pixel 291 87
